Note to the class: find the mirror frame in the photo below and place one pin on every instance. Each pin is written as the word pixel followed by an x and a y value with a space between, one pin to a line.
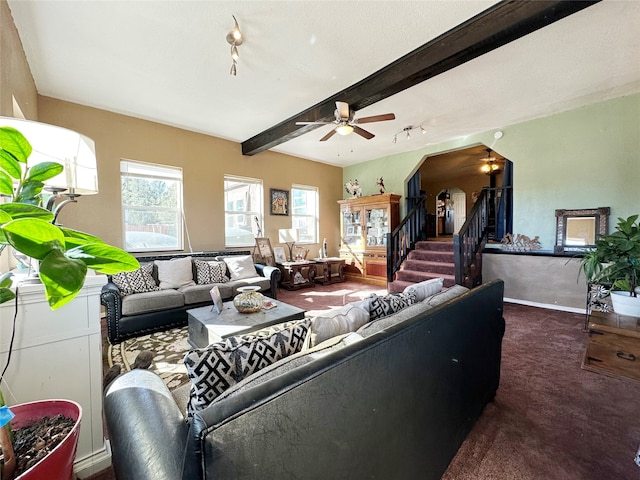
pixel 601 216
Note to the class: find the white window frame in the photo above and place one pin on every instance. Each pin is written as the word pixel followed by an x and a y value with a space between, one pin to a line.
pixel 235 216
pixel 152 171
pixel 313 216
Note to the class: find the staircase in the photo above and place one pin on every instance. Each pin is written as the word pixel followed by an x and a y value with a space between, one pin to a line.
pixel 428 260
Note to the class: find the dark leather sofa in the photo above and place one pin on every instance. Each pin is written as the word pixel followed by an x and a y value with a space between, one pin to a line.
pixel 395 405
pixel 121 326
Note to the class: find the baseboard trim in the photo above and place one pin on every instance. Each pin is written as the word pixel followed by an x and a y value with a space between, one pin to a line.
pixel 93 463
pixel 546 305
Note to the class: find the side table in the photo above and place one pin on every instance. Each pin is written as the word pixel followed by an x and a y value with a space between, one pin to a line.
pixel 331 270
pixel 295 275
pixel 614 345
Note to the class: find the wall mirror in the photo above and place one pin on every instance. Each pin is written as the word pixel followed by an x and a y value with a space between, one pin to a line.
pixel 576 230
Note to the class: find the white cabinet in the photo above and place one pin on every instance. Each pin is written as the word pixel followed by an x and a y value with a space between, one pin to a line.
pixel 58 354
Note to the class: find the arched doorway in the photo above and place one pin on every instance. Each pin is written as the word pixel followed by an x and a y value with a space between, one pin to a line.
pixel 460 171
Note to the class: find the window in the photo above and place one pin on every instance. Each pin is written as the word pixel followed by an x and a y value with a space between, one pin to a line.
pixel 304 213
pixel 151 206
pixel 243 211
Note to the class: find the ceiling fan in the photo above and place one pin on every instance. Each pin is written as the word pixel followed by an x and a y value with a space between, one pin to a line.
pixel 345 123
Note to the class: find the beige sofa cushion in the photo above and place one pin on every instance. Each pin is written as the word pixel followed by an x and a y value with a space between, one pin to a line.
pixel 240 266
pixel 425 289
pixel 175 273
pixel 345 320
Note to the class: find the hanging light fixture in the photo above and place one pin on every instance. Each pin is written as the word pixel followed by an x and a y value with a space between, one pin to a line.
pixel 407 132
pixel 490 166
pixel 235 39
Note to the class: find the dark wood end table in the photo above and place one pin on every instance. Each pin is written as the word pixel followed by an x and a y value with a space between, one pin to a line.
pixel 331 270
pixel 297 275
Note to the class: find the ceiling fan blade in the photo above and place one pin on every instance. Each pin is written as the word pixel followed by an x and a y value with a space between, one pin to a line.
pixel 343 110
pixel 376 118
pixel 313 123
pixel 362 132
pixel 328 135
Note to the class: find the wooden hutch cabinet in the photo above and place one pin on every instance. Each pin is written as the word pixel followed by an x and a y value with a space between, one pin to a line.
pixel 364 224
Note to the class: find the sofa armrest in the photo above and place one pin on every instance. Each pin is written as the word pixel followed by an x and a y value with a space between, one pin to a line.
pixel 111 298
pixel 272 273
pixel 149 436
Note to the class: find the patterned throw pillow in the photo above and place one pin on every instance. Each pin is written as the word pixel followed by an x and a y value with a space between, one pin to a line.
pixel 390 304
pixel 210 272
pixel 220 365
pixel 137 281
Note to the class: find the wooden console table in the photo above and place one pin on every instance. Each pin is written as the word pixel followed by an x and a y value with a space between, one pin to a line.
pixel 295 275
pixel 614 345
pixel 331 270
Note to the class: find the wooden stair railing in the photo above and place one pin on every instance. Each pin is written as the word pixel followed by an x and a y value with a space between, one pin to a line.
pixel 485 222
pixel 402 240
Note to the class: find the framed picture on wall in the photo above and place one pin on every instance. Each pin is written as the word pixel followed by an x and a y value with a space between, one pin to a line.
pixel 279 202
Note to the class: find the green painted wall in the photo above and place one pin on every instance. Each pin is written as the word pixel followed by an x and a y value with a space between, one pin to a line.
pixel 584 158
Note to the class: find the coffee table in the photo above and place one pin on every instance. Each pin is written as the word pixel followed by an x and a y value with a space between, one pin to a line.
pixel 207 327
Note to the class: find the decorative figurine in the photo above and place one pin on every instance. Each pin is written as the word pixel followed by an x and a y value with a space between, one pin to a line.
pixel 353 188
pixel 380 185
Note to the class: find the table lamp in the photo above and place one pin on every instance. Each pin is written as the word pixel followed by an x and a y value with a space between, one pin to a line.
pixel 290 237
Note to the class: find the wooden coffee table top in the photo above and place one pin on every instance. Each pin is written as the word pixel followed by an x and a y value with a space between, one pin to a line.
pixel 207 326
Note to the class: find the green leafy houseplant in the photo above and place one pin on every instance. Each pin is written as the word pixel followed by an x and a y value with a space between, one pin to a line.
pixel 615 260
pixel 64 254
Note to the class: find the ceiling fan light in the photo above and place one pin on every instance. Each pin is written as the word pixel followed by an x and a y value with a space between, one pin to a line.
pixel 344 129
pixel 485 168
pixel 422 130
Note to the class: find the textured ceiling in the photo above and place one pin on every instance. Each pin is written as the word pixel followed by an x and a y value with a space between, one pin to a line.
pixel 168 61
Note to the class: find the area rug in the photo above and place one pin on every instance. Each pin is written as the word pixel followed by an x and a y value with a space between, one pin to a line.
pixel 168 348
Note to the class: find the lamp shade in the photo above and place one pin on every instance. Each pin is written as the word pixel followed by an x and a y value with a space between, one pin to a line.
pixel 74 151
pixel 288 235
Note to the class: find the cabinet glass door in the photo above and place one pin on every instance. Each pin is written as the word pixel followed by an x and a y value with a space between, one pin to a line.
pixel 377 224
pixel 352 228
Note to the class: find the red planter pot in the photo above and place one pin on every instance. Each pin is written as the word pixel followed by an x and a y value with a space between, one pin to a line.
pixel 58 465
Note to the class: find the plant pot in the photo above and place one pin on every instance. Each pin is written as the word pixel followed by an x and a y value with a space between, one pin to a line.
pixel 58 464
pixel 625 304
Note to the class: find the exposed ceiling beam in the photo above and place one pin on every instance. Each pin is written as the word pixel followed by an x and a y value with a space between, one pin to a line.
pixel 502 23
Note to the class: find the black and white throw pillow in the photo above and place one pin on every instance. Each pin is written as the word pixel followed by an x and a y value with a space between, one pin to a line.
pixel 137 281
pixel 215 368
pixel 210 272
pixel 381 307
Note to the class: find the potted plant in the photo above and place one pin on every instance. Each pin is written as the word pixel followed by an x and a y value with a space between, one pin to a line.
pixel 615 262
pixel 64 254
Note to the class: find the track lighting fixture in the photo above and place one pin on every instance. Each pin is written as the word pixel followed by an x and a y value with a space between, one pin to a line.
pixel 407 132
pixel 234 38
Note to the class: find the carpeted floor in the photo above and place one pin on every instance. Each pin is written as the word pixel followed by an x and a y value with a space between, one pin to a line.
pixel 550 419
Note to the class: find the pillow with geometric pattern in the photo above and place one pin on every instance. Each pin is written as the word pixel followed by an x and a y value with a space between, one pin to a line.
pixel 220 365
pixel 210 272
pixel 137 281
pixel 390 304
